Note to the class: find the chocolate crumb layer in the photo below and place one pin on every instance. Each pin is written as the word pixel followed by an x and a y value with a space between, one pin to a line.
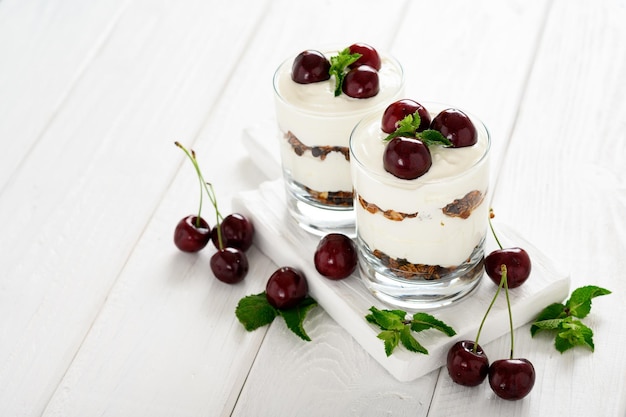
pixel 464 207
pixel 317 151
pixel 410 270
pixel 331 198
pixel 389 214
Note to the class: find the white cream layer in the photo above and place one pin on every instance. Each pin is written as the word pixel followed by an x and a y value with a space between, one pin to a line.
pixel 431 238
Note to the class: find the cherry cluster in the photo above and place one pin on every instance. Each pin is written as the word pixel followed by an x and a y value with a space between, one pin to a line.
pixel 407 154
pixel 360 78
pixel 467 362
pixel 232 235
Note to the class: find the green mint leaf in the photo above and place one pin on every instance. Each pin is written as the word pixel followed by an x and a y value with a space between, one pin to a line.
pixel 551 312
pixel 254 311
pixel 391 339
pixel 548 324
pixel 423 321
pixel 579 304
pixel 294 317
pixel 432 137
pixel 338 65
pixel 573 333
pixel 410 343
pixel 406 127
pixel 386 319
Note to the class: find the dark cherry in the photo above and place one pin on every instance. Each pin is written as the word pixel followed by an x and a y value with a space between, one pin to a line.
pixel 456 126
pixel 229 265
pixel 335 256
pixel 406 158
pixel 512 379
pixel 310 67
pixel 361 82
pixel 465 366
pixel 369 55
pixel 237 232
pixel 189 237
pixel 517 263
pixel 286 287
pixel 398 110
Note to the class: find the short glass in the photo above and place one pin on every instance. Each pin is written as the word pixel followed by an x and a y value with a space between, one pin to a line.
pixel 421 242
pixel 315 128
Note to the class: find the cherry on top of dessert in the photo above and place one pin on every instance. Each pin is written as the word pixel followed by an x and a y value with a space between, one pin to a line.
pixel 310 66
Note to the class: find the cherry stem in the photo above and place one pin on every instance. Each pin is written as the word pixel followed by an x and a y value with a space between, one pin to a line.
pixel 480 328
pixel 493 232
pixel 508 304
pixel 208 187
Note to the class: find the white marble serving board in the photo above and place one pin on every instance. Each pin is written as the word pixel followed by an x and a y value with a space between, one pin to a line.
pixel 348 301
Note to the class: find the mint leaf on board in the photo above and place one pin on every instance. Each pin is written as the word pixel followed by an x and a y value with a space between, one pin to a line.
pixel 423 321
pixel 294 317
pixel 254 311
pixel 391 339
pixel 397 328
pixel 410 342
pixel 560 318
pixel 338 65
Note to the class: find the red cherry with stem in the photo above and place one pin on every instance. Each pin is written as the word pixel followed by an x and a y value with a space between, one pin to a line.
pixel 369 56
pixel 456 126
pixel 237 232
pixel 361 82
pixel 229 265
pixel 512 379
pixel 517 261
pixel 467 363
pixel 406 158
pixel 286 287
pixel 398 110
pixel 310 67
pixel 192 233
pixel 335 256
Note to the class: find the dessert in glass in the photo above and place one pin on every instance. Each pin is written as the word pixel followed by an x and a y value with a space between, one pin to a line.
pixel 421 203
pixel 319 98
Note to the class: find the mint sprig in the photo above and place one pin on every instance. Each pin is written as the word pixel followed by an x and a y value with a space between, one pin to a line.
pixel 398 327
pixel 408 126
pixel 254 311
pixel 338 65
pixel 562 319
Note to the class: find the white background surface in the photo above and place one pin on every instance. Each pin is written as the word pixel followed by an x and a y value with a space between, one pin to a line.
pixel 100 315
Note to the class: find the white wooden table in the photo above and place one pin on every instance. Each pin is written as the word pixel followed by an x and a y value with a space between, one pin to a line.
pixel 100 315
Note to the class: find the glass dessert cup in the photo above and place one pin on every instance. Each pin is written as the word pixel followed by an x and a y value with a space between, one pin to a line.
pixel 421 241
pixel 314 133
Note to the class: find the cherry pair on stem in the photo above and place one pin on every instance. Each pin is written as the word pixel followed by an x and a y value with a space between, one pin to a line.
pixel 467 364
pixel 232 235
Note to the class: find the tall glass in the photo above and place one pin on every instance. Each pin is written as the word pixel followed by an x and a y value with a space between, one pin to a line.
pixel 315 129
pixel 421 242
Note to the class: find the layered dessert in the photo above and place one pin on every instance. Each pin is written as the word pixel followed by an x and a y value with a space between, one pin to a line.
pixel 319 98
pixel 420 199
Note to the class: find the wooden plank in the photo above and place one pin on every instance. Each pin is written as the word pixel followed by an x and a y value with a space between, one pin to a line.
pixel 92 181
pixel 44 55
pixel 563 184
